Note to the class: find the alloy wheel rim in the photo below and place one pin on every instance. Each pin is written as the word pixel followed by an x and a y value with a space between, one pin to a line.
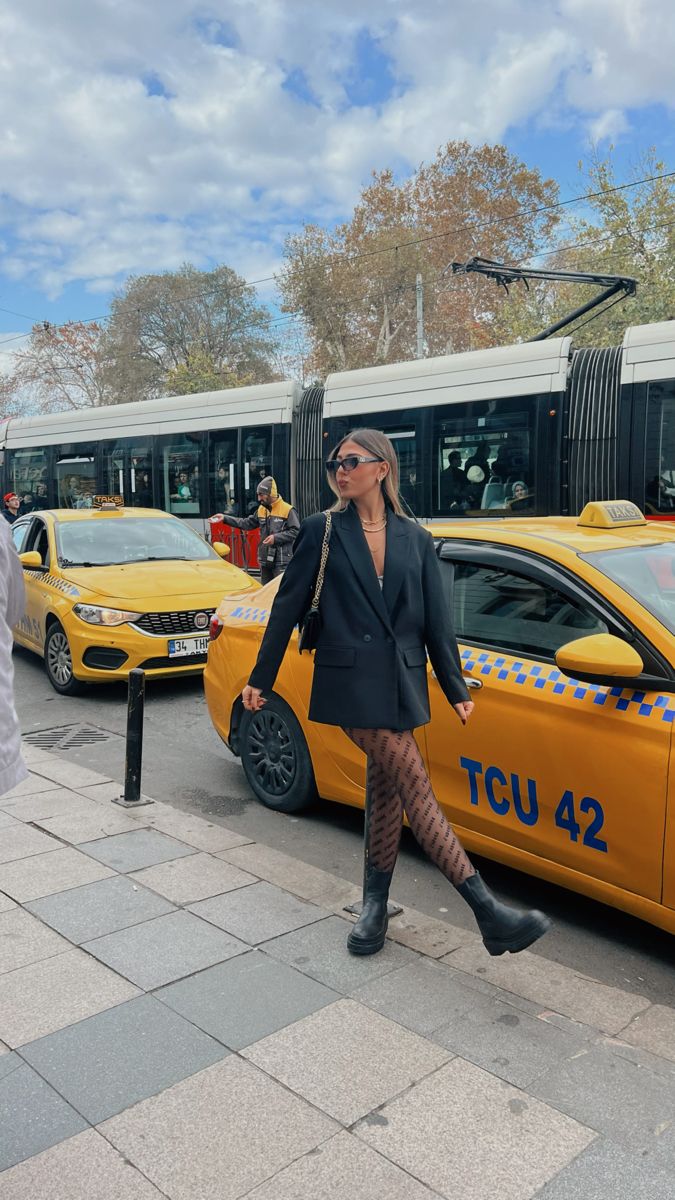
pixel 271 753
pixel 58 659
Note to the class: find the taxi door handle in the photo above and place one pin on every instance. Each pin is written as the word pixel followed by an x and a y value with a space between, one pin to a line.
pixel 470 683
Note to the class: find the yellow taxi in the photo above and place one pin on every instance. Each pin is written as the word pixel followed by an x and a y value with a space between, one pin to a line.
pixel 111 588
pixel 566 628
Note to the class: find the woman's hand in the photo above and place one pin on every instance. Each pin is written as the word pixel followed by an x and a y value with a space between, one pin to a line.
pixel 253 700
pixel 464 710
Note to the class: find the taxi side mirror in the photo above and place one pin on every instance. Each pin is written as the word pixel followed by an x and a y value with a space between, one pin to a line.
pixel 221 549
pixel 600 658
pixel 31 561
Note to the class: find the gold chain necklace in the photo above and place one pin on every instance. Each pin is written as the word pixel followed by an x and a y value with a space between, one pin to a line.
pixel 374 526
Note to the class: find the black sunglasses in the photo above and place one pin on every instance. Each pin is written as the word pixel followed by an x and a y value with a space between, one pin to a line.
pixel 349 462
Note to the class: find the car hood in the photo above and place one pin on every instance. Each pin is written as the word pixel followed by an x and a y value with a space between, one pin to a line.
pixel 201 582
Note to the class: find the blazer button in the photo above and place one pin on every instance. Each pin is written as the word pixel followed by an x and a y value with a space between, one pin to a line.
pixel 367 637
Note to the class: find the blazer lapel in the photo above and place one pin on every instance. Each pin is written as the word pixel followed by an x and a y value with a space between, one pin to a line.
pixel 395 559
pixel 355 546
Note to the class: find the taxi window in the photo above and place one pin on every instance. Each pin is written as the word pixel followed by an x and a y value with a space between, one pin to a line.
pixel 647 573
pixel 18 534
pixel 497 607
pixel 38 539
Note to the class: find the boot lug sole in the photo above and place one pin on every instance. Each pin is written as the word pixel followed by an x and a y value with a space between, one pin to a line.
pixel 530 934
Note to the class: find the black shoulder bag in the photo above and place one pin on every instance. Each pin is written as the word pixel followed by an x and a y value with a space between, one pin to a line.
pixel 310 626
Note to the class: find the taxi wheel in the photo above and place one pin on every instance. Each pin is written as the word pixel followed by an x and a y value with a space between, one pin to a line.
pixel 275 757
pixel 59 662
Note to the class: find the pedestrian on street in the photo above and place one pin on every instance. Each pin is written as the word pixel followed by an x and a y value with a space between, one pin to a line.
pixel 382 608
pixel 12 599
pixel 11 507
pixel 279 524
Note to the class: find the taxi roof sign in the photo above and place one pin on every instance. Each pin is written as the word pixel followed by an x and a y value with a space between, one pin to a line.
pixel 108 501
pixel 610 514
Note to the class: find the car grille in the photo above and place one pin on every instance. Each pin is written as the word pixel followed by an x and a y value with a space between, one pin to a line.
pixel 168 624
pixel 159 664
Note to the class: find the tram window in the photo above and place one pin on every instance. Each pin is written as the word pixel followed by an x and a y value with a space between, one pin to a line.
pixel 660 448
pixel 256 449
pixel 113 469
pixel 28 472
pixel 75 476
pixel 141 476
pixel 223 473
pixel 180 471
pixel 405 445
pixel 483 457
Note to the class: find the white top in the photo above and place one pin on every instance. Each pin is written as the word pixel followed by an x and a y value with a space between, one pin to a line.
pixel 12 603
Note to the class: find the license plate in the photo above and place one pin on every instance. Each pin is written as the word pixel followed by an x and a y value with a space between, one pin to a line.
pixel 185 647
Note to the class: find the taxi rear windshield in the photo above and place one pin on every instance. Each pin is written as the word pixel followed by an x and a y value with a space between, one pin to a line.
pixel 645 572
pixel 98 543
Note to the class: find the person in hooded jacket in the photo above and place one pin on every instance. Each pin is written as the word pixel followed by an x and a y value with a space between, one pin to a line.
pixel 12 767
pixel 278 523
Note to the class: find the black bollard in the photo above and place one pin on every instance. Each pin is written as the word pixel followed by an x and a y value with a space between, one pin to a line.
pixel 134 747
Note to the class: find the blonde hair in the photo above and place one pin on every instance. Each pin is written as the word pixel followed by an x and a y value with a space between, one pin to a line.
pixel 374 442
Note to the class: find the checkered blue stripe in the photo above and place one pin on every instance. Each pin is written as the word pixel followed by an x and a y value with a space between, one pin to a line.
pixel 539 676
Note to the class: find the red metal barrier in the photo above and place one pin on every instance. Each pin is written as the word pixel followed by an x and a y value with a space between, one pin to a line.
pixel 243 543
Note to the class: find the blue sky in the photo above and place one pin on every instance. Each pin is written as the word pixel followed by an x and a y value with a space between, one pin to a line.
pixel 136 137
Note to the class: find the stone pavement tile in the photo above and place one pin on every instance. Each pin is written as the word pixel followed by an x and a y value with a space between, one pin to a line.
pixel 68 773
pixel 638 1056
pixel 20 841
pixel 257 913
pixel 49 804
pixel 48 995
pixel 185 880
pixel 5 903
pixel 346 1059
pixel 423 995
pixel 84 913
pixel 9 1061
pixel 68 1172
pixel 245 999
pixel 289 873
pixel 105 793
pixel 32 1118
pixel 44 874
pixel 510 1044
pixel 218 1134
pixel 191 828
pixel 23 940
pixel 465 1133
pixel 114 1059
pixel 554 986
pixel 30 786
pixel 605 1171
pixel 76 827
pixel 653 1029
pixel 626 1102
pixel 320 950
pixel 164 949
pixel 343 1168
pixel 34 754
pixel 427 934
pixel 133 851
pixel 7 821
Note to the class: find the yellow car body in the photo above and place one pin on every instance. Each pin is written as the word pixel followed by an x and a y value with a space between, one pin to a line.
pixel 168 601
pixel 564 777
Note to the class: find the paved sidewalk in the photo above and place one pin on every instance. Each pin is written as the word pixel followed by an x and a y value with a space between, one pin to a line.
pixel 179 1018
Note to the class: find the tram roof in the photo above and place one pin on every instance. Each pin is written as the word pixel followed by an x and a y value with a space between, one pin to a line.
pixel 264 404
pixel 527 369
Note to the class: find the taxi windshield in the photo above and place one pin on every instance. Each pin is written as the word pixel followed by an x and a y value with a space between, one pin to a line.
pixel 646 572
pixel 117 540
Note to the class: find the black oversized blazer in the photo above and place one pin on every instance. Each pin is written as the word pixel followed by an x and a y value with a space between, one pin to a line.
pixel 370 661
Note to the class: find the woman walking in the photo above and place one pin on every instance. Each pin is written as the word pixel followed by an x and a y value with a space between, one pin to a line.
pixel 382 608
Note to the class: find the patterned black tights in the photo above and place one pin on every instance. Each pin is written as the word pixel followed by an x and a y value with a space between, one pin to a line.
pixel 397 780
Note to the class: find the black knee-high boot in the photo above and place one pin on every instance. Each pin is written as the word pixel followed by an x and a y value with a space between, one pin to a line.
pixel 368 934
pixel 503 928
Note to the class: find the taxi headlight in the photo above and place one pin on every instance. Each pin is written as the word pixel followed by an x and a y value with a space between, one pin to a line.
pixel 104 616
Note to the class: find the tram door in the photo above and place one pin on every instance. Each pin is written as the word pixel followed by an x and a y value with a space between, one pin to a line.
pixel 127 472
pixel 238 460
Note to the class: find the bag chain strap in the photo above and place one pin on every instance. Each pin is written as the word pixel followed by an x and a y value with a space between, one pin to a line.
pixel 322 563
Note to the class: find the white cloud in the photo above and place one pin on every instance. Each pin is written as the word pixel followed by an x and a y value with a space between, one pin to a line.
pixel 102 178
